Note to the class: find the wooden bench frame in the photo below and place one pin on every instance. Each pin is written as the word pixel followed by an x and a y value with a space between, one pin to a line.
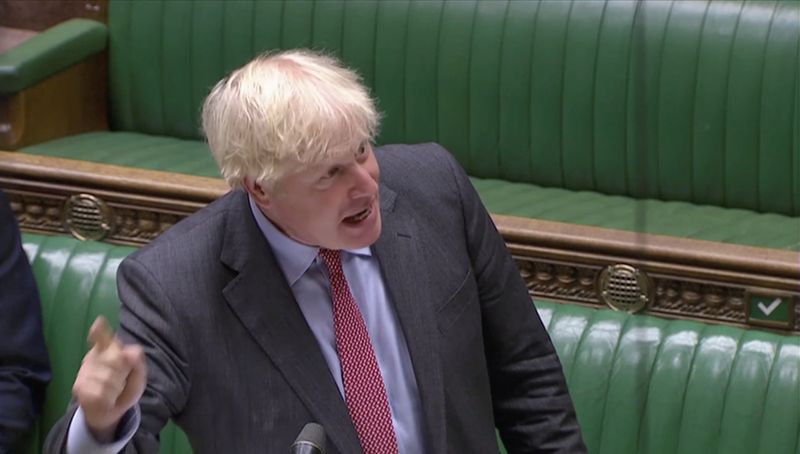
pixel 688 278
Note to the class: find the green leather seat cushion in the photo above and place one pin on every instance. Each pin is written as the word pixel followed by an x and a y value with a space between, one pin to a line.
pixel 131 149
pixel 679 219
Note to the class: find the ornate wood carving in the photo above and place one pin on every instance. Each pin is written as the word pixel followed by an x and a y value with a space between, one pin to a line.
pixel 693 279
pixel 675 296
pixel 714 302
pixel 144 203
pixel 43 212
pixel 559 281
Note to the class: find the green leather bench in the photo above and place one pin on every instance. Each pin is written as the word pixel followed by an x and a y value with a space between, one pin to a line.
pixel 77 282
pixel 671 117
pixel 640 384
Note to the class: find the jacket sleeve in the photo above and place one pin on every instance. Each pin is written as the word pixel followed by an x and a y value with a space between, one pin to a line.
pixel 146 319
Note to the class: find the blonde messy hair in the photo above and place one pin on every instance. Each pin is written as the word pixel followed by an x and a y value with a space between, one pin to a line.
pixel 283 110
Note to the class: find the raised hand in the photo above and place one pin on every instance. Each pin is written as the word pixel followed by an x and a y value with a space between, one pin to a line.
pixel 110 381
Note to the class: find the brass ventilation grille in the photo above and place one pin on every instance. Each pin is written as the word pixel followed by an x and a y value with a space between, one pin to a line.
pixel 624 288
pixel 87 217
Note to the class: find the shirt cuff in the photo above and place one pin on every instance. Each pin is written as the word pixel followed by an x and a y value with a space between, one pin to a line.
pixel 81 441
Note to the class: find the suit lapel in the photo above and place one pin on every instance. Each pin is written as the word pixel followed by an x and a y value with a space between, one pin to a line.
pixel 402 260
pixel 264 303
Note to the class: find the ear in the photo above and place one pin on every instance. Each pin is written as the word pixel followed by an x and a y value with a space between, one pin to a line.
pixel 257 192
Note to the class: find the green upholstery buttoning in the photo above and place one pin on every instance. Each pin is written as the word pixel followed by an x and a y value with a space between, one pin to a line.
pixel 49 52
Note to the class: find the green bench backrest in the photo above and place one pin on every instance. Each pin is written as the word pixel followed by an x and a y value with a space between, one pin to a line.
pixel 77 282
pixel 692 101
pixel 647 385
pixel 640 384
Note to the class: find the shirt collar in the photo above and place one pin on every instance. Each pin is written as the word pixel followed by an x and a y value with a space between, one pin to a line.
pixel 293 257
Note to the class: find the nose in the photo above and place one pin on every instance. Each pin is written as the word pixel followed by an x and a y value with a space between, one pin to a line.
pixel 364 182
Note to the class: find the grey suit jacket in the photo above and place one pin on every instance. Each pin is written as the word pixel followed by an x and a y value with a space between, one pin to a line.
pixel 233 362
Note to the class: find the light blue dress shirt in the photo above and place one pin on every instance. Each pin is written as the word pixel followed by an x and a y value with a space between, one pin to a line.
pixel 307 276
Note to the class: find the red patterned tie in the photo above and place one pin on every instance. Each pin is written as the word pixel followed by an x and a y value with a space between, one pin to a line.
pixel 363 384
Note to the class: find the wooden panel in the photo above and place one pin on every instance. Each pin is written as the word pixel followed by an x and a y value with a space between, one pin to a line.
pixel 142 203
pixel 548 238
pixel 70 102
pixel 691 279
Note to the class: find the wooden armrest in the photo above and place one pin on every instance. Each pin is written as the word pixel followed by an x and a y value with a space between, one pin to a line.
pixel 70 102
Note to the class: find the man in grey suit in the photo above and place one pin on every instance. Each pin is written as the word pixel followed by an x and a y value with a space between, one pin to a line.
pixel 366 290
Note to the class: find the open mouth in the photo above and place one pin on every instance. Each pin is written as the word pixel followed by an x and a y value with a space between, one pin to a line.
pixel 358 217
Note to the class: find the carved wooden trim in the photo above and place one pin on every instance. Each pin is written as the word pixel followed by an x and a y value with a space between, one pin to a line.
pixel 693 279
pixel 665 252
pixel 676 296
pixel 144 203
pixel 162 185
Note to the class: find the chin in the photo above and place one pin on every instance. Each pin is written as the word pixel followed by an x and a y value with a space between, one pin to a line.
pixel 362 242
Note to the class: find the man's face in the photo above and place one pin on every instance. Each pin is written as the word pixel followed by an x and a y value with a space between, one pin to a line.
pixel 333 205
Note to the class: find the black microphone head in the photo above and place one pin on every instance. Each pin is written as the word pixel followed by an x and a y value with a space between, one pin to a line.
pixel 311 440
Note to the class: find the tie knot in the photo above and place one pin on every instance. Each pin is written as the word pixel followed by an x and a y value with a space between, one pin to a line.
pixel 331 256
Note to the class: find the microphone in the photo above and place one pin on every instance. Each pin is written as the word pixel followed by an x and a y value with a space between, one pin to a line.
pixel 311 440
